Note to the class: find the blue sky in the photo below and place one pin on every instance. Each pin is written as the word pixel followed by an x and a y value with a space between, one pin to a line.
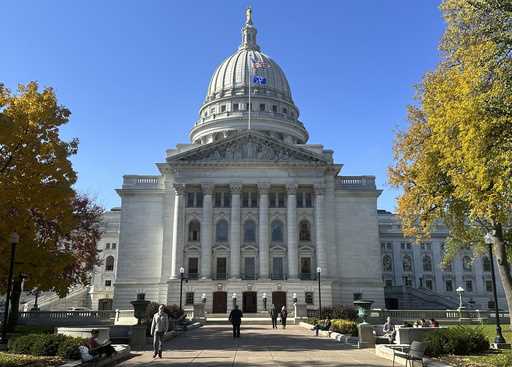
pixel 134 73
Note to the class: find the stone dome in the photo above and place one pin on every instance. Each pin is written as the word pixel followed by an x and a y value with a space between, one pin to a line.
pixel 226 106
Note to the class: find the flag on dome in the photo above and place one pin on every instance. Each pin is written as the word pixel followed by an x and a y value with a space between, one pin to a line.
pixel 259 80
pixel 260 64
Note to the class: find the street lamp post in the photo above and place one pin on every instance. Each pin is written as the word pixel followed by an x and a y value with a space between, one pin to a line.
pixel 234 299
pixel 14 239
pixel 203 298
pixel 460 292
pixel 318 271
pixel 294 298
pixel 489 240
pixel 182 276
pixel 264 301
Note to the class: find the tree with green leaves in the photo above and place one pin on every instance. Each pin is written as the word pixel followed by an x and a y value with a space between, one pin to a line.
pixel 454 161
pixel 58 228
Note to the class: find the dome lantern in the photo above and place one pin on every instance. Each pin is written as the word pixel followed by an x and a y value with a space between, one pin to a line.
pixel 249 33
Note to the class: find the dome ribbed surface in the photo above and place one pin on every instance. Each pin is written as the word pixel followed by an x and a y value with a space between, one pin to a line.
pixel 236 70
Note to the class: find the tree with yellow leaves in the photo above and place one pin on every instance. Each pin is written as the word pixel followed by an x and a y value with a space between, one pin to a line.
pixel 58 228
pixel 454 162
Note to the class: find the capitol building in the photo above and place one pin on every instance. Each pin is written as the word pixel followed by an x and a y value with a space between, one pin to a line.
pixel 249 209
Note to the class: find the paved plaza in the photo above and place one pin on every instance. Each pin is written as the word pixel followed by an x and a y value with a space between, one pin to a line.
pixel 259 345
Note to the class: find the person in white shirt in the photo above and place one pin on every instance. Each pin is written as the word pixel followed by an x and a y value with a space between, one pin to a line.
pixel 159 326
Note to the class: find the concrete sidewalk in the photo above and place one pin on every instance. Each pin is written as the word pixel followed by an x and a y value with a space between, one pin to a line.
pixel 259 345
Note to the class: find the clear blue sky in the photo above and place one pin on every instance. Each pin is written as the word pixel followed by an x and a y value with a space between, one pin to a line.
pixel 134 73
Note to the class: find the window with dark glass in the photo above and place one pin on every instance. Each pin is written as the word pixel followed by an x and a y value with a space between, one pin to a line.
pixel 280 199
pixel 189 298
pixel 108 283
pixel 193 265
pixel 387 263
pixel 308 200
pixel 285 111
pixel 277 231
pixel 190 199
pixel 114 246
pixel 107 246
pixel 272 200
pixel 274 108
pixel 427 263
pixel 407 263
pixel 388 283
pixel 304 231
pixel 199 199
pixel 429 284
pixel 467 264
pixel 245 200
pixel 249 231
pixel 222 268
pixel 300 199
pixel 262 106
pixel 194 230
pixel 308 296
pixel 486 263
pixel 221 231
pixel 223 108
pixel 469 286
pixel 357 296
pixel 218 199
pixel 236 107
pixel 227 200
pixel 254 200
pixel 488 285
pixel 109 263
pixel 305 265
pixel 449 285
pixel 408 281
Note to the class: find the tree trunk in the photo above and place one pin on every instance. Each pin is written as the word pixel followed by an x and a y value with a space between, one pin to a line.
pixel 503 266
pixel 15 303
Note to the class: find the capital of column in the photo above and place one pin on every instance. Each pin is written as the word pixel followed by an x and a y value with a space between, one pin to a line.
pixel 264 187
pixel 319 189
pixel 291 189
pixel 207 188
pixel 179 189
pixel 235 188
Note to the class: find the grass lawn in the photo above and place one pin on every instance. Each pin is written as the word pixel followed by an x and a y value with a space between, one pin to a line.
pixel 21 360
pixel 491 359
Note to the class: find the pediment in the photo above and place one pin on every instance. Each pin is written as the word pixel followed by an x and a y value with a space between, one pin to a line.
pixel 248 146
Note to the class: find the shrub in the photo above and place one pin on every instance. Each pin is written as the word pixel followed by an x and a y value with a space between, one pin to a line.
pixel 46 345
pixel 339 312
pixel 458 340
pixel 344 327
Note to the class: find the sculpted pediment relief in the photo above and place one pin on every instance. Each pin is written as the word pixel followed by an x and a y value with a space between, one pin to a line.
pixel 248 147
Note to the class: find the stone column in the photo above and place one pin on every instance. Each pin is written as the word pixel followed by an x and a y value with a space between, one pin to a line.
pixel 206 232
pixel 293 251
pixel 321 253
pixel 234 237
pixel 263 230
pixel 177 232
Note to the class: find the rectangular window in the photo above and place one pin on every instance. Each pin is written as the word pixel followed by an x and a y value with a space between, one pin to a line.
pixel 277 268
pixel 221 268
pixel 212 110
pixel 254 200
pixel 262 106
pixel 389 246
pixel 114 246
pixel 193 266
pixel 108 283
pixel 250 267
pixel 300 197
pixel 449 285
pixel 272 200
pixel 218 199
pixel 308 296
pixel 469 286
pixel 274 108
pixel 429 284
pixel 285 111
pixel 245 199
pixel 408 281
pixel 305 267
pixel 107 246
pixel 189 298
pixel 388 283
pixel 280 200
pixel 227 200
pixel 236 107
pixel 309 200
pixel 488 285
pixel 199 199
pixel 190 199
pixel 223 108
pixel 357 296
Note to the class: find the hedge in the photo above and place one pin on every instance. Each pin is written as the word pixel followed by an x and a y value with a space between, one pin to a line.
pixel 17 360
pixel 459 340
pixel 46 345
pixel 344 327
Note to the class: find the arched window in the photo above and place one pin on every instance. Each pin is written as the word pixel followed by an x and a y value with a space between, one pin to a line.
pixel 194 230
pixel 249 231
pixel 109 263
pixel 221 231
pixel 427 263
pixel 387 263
pixel 304 231
pixel 407 263
pixel 467 264
pixel 277 231
pixel 486 262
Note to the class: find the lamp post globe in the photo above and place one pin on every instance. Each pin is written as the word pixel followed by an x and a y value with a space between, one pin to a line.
pixel 14 239
pixel 489 241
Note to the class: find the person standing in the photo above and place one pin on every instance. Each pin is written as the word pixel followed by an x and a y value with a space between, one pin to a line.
pixel 236 319
pixel 159 326
pixel 284 315
pixel 273 315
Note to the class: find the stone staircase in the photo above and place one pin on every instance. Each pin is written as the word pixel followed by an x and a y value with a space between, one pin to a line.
pixel 77 297
pixel 260 318
pixel 410 298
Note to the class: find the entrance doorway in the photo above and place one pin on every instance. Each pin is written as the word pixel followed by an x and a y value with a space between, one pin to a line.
pixel 249 302
pixel 279 299
pixel 105 304
pixel 220 302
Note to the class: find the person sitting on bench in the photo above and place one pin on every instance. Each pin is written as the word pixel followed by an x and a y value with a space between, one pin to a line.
pixel 323 325
pixel 96 348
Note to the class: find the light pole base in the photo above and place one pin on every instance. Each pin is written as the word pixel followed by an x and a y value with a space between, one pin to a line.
pixel 500 345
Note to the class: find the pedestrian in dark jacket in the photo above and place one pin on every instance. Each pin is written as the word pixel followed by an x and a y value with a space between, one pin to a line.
pixel 236 319
pixel 273 315
pixel 284 315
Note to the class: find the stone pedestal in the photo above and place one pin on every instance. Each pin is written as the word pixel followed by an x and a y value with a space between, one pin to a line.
pixel 366 337
pixel 138 337
pixel 199 311
pixel 301 311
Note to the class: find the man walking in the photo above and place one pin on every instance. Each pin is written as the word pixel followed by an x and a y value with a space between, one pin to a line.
pixel 236 319
pixel 284 316
pixel 159 326
pixel 273 315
